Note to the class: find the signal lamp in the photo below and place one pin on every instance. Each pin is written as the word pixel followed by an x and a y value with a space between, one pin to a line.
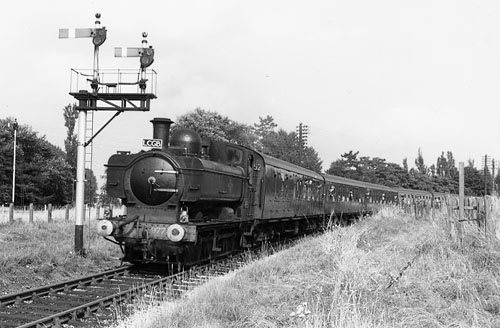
pixel 147 57
pixel 99 36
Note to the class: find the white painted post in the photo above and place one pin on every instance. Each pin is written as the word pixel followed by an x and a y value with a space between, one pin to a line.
pixel 14 165
pixel 80 180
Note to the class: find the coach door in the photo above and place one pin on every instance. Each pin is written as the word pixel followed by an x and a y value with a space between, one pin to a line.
pixel 253 203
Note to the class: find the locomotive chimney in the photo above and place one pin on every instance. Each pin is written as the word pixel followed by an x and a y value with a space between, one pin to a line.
pixel 161 130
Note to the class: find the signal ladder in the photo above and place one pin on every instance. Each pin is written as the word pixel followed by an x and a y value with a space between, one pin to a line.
pixel 89 132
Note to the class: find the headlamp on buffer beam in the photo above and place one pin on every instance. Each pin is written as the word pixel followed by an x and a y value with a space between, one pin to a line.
pixel 184 216
pixel 108 213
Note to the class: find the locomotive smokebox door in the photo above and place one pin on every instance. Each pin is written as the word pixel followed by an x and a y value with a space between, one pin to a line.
pixel 153 180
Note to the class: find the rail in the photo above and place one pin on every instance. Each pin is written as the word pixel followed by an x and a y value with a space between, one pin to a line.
pixel 77 299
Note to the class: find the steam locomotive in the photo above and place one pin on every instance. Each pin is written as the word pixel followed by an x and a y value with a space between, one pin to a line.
pixel 192 200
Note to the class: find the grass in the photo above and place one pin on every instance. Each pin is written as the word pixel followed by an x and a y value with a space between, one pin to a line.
pixel 42 253
pixel 389 270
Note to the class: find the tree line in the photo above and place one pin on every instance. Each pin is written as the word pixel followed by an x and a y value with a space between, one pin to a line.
pixel 441 177
pixel 46 174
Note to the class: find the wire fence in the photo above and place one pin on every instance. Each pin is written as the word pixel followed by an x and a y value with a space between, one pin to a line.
pixel 48 213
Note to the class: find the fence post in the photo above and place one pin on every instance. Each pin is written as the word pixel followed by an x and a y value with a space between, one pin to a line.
pixel 461 194
pixel 49 215
pixel 31 213
pixel 66 216
pixel 451 218
pixel 11 212
pixel 488 227
pixel 433 204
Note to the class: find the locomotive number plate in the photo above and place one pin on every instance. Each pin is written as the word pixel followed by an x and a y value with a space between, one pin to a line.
pixel 152 143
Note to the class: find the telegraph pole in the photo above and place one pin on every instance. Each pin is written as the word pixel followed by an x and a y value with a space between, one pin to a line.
pixel 492 176
pixel 303 131
pixel 14 127
pixel 486 162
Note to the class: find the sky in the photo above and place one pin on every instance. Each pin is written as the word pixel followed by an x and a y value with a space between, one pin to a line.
pixel 384 78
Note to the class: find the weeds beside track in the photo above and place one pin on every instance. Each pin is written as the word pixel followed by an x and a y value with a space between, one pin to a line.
pixel 357 276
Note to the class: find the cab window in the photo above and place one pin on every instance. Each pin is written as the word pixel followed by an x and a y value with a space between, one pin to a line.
pixel 234 156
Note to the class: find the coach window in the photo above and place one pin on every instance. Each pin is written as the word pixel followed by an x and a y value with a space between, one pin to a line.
pixel 286 191
pixel 298 188
pixel 316 191
pixel 306 189
pixel 281 184
pixel 277 177
pixel 291 187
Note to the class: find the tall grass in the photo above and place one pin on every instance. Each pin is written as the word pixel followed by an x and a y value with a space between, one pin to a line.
pixel 389 270
pixel 43 253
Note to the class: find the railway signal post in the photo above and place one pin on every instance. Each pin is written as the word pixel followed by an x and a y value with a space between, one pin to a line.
pixel 120 94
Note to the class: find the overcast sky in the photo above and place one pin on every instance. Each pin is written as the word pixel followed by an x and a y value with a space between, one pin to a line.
pixel 383 77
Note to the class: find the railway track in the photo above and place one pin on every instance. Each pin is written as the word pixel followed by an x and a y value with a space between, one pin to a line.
pixel 73 303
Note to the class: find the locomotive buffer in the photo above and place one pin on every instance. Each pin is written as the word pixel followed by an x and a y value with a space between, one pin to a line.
pixel 111 90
